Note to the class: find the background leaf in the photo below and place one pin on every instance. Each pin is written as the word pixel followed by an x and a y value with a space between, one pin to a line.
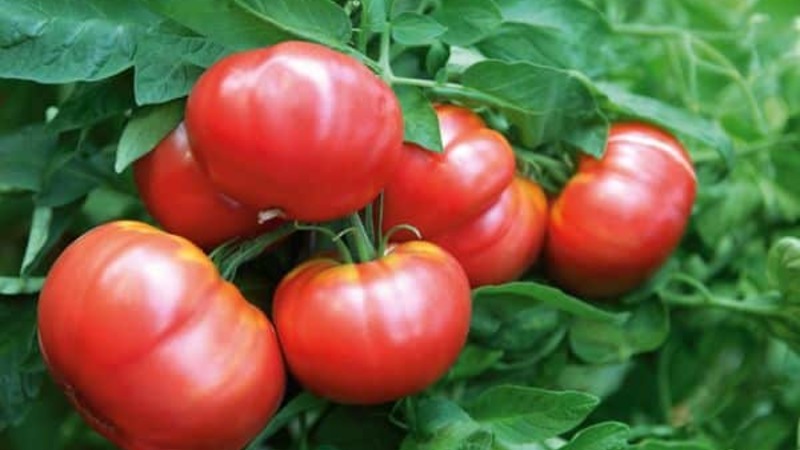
pixel 145 130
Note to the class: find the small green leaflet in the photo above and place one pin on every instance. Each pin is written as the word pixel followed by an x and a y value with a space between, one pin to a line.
pixel 415 29
pixel 419 119
pixel 145 130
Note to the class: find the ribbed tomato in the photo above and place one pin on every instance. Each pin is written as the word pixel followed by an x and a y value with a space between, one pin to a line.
pixel 435 192
pixel 153 348
pixel 503 241
pixel 182 199
pixel 620 217
pixel 375 331
pixel 296 127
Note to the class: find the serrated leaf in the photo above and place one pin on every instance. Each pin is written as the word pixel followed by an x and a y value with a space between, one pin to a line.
pixel 319 20
pixel 473 361
pixel 783 267
pixel 519 415
pixel 23 158
pixel 543 103
pixel 416 29
pixel 678 120
pixel 602 436
pixel 602 342
pixel 467 21
pixel 443 425
pixel 20 285
pixel 376 15
pixel 20 377
pixel 223 21
pixel 56 41
pixel 420 125
pixel 145 130
pixel 167 66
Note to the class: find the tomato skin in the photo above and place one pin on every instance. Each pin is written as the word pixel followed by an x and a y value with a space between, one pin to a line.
pixel 297 127
pixel 181 198
pixel 502 242
pixel 435 192
pixel 373 332
pixel 619 218
pixel 153 348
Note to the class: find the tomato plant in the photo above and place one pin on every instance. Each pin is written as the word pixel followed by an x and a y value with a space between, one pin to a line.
pixel 180 197
pixel 152 347
pixel 620 217
pixel 376 331
pixel 295 127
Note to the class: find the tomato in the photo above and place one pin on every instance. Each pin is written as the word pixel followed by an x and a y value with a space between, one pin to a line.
pixel 620 217
pixel 180 197
pixel 502 242
pixel 437 191
pixel 295 127
pixel 152 347
pixel 376 331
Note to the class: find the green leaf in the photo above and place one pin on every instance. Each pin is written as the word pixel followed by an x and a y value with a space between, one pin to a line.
pixel 319 20
pixel 168 65
pixel 473 361
pixel 443 425
pixel 516 42
pixel 467 21
pixel 357 428
pixel 654 444
pixel 302 403
pixel 783 267
pixel 375 14
pixel 47 226
pixel 75 174
pixel 601 342
pixel 532 293
pixel 223 21
pixel 92 103
pixel 20 285
pixel 415 29
pixel 543 103
pixel 53 41
pixel 602 436
pixel 147 127
pixel 519 415
pixel 20 377
pixel 726 206
pixel 420 124
pixel 678 120
pixel 23 158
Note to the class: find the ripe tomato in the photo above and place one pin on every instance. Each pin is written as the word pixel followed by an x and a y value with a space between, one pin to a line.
pixel 376 331
pixel 502 242
pixel 152 347
pixel 619 218
pixel 181 198
pixel 437 191
pixel 296 127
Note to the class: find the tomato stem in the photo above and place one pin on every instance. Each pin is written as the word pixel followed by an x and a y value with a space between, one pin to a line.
pixel 231 255
pixel 336 239
pixel 365 248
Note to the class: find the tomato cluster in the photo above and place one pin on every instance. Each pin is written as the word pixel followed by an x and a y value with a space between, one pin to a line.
pixel 157 351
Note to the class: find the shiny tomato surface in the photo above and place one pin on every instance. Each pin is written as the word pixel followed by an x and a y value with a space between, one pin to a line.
pixel 153 348
pixel 182 199
pixel 435 192
pixel 502 242
pixel 375 331
pixel 295 127
pixel 620 217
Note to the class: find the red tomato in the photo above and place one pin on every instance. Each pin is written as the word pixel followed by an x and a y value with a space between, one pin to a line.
pixel 376 331
pixel 296 127
pixel 436 191
pixel 181 198
pixel 506 239
pixel 619 218
pixel 153 348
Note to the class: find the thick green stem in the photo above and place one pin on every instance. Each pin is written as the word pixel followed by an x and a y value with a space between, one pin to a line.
pixel 344 252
